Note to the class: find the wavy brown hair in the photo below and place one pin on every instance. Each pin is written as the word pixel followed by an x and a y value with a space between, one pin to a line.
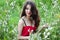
pixel 34 11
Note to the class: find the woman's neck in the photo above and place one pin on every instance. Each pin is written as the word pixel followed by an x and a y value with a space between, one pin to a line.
pixel 28 17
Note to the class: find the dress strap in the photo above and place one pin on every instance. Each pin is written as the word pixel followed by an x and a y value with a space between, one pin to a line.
pixel 24 22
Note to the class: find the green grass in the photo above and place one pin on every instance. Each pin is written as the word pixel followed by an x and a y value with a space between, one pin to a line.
pixel 49 11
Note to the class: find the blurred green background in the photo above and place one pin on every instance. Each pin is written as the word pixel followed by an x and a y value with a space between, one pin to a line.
pixel 49 11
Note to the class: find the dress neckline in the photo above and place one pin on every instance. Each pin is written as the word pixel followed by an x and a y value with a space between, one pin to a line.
pixel 29 26
pixel 25 21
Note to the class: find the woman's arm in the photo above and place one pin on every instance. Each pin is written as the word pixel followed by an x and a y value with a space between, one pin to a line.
pixel 44 26
pixel 20 27
pixel 22 37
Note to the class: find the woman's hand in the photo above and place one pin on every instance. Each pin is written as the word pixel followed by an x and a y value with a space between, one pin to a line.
pixel 30 32
pixel 24 37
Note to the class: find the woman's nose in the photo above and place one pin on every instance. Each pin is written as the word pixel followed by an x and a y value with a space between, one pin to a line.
pixel 28 10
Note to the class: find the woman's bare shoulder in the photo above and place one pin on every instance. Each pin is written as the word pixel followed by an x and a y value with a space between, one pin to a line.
pixel 21 19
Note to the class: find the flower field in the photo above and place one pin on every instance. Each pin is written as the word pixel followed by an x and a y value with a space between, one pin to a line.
pixel 49 12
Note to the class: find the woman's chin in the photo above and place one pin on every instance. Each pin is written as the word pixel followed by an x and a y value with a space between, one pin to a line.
pixel 28 15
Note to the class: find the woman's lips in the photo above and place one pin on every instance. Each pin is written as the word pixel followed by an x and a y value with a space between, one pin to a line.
pixel 29 13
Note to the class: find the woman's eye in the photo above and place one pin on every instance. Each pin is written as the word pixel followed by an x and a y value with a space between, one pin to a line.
pixel 27 8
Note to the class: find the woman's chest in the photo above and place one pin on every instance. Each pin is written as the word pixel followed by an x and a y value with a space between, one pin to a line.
pixel 29 23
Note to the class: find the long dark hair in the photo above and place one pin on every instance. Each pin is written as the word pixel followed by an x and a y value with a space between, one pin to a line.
pixel 34 11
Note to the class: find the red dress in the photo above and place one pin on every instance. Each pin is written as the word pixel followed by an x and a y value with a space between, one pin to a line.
pixel 26 29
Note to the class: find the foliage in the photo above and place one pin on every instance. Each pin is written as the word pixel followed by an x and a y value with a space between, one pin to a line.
pixel 49 11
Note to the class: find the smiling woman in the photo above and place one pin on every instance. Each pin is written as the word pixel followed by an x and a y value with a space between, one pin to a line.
pixel 29 21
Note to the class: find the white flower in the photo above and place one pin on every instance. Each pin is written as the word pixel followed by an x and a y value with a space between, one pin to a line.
pixel 12 3
pixel 46 36
pixel 50 28
pixel 48 33
pixel 44 33
pixel 29 30
pixel 41 3
pixel 5 22
pixel 46 30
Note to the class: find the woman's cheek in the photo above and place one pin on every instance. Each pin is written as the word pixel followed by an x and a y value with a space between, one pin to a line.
pixel 28 13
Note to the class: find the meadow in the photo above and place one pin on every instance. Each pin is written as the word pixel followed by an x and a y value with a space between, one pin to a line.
pixel 49 12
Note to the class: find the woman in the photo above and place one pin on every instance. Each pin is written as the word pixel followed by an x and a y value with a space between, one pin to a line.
pixel 29 21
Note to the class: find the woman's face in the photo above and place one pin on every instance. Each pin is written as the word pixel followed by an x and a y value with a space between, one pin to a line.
pixel 28 10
